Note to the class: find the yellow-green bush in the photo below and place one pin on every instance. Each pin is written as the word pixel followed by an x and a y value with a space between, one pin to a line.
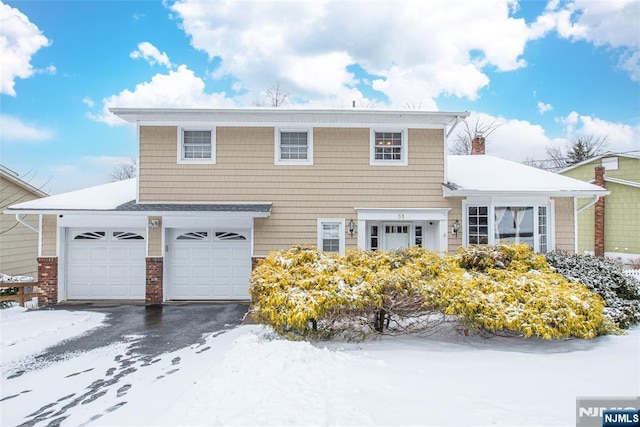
pixel 304 292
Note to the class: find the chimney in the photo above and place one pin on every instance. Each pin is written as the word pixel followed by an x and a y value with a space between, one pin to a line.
pixel 598 232
pixel 477 145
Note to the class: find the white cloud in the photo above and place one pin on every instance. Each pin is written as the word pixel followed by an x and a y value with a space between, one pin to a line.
pixel 151 54
pixel 620 137
pixel 14 130
pixel 179 88
pixel 88 102
pixel 420 49
pixel 611 23
pixel 19 41
pixel 543 108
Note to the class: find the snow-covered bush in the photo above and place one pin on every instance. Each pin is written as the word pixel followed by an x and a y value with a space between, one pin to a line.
pixel 306 293
pixel 621 293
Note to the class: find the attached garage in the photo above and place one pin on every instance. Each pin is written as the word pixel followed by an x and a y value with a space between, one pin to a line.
pixel 106 264
pixel 208 264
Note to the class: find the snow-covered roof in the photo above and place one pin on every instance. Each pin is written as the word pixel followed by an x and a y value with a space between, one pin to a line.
pixel 101 197
pixel 120 197
pixel 273 116
pixel 475 175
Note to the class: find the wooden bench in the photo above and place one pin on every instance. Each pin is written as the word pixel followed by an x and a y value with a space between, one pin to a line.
pixel 21 295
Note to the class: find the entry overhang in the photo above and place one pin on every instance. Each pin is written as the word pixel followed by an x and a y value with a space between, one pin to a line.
pixel 402 214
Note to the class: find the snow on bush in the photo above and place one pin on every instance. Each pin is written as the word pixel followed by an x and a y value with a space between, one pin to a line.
pixel 306 293
pixel 621 293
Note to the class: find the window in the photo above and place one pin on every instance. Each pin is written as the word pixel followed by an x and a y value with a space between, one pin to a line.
pixel 610 163
pixel 478 221
pixel 374 238
pixel 196 146
pixel 331 235
pixel 418 235
pixel 388 148
pixel 498 224
pixel 294 147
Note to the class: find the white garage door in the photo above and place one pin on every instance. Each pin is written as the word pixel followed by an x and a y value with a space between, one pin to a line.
pixel 209 264
pixel 106 263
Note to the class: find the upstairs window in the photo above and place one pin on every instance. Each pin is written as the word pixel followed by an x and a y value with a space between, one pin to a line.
pixel 294 147
pixel 197 146
pixel 388 148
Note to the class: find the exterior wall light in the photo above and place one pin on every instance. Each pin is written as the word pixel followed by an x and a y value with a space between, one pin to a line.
pixel 153 223
pixel 455 228
pixel 352 227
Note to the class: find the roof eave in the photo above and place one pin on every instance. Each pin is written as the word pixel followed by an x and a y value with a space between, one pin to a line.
pixel 557 193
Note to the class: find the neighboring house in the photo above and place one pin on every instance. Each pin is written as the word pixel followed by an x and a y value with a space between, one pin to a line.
pixel 18 235
pixel 219 189
pixel 616 234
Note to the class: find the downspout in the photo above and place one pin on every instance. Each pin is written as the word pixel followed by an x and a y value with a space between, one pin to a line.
pixel 458 120
pixel 20 220
pixel 577 210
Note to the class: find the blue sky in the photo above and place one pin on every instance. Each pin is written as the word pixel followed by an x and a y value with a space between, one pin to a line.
pixel 547 71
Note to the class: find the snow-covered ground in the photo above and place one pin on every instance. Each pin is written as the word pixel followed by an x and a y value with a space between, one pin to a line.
pixel 248 376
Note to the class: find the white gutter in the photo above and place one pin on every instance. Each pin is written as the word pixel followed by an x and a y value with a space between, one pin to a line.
pixel 25 224
pixel 588 204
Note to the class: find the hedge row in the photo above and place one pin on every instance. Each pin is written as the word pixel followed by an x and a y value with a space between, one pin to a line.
pixel 306 293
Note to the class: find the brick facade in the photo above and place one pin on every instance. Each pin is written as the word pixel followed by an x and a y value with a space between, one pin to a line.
pixel 598 232
pixel 153 292
pixel 255 261
pixel 48 279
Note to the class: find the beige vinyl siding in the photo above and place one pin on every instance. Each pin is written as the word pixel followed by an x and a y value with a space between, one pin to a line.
pixel 49 235
pixel 18 243
pixel 455 203
pixel 339 180
pixel 564 213
pixel 154 239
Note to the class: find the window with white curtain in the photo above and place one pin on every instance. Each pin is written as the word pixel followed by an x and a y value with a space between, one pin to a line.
pixel 496 224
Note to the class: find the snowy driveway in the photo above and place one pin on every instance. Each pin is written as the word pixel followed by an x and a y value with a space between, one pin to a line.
pixel 130 338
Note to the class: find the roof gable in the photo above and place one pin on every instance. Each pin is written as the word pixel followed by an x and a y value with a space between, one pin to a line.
pixel 13 177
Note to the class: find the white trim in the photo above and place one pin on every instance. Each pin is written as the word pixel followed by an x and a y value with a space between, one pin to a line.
pixel 341 222
pixel 62 264
pixel 104 220
pixel 180 145
pixel 402 214
pixel 208 222
pixel 404 161
pixel 621 181
pixel 491 205
pixel 138 171
pixel 40 235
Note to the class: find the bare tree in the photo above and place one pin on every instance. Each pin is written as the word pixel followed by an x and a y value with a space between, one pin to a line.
pixel 275 96
pixel 462 143
pixel 124 170
pixel 578 150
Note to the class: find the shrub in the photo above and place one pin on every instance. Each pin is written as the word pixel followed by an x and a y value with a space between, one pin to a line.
pixel 605 277
pixel 306 293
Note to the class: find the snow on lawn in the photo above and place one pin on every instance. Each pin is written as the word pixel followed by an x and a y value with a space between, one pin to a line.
pixel 248 376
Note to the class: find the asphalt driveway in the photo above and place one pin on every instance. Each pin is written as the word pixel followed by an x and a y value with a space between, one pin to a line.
pixel 148 333
pixel 150 330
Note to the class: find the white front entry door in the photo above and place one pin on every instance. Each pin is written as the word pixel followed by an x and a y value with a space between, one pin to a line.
pixel 209 264
pixel 395 236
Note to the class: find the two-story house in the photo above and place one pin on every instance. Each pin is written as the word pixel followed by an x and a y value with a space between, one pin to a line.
pixel 616 232
pixel 219 189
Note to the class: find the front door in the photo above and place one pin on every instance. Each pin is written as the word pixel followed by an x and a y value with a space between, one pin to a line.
pixel 395 236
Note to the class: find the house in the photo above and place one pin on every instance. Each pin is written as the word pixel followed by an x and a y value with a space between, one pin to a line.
pixel 219 189
pixel 616 233
pixel 18 233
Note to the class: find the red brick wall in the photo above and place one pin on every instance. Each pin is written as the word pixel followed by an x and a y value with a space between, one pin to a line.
pixel 48 280
pixel 154 281
pixel 598 232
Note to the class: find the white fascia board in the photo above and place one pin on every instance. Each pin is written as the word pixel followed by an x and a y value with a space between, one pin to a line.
pixel 310 124
pixel 622 181
pixel 135 221
pixel 402 214
pixel 471 193
pixel 208 221
pixel 119 214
